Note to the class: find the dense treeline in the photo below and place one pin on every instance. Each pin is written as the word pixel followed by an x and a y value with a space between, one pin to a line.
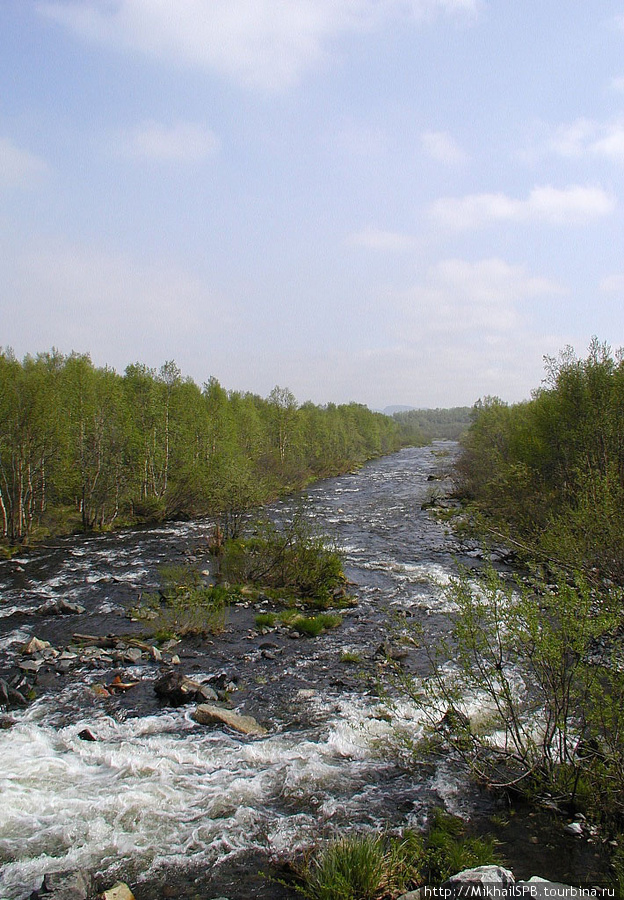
pixel 86 447
pixel 421 426
pixel 549 472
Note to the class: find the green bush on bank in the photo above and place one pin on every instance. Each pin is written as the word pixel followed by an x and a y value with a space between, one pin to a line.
pixel 548 474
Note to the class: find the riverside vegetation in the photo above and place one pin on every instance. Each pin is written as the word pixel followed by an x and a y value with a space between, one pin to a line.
pixel 292 564
pixel 542 652
pixel 86 448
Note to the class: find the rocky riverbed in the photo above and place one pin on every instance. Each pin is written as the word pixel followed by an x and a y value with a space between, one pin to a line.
pixel 107 765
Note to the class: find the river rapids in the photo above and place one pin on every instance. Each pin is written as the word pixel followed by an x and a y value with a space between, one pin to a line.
pixel 154 799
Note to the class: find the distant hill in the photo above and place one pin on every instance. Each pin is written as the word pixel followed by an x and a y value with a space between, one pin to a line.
pixel 391 410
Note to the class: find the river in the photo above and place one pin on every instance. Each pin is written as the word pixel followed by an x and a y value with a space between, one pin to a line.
pixel 178 809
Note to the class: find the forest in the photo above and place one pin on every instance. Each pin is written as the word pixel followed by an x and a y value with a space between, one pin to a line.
pixel 83 447
pixel 421 426
pixel 547 475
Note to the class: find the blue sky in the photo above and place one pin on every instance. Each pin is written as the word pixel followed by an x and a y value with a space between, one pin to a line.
pixel 387 201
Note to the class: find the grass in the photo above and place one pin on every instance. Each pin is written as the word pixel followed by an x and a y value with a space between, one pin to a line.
pixel 360 867
pixel 350 656
pixel 382 866
pixel 312 626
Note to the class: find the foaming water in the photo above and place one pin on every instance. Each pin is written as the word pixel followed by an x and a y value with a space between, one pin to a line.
pixel 161 790
pixel 157 790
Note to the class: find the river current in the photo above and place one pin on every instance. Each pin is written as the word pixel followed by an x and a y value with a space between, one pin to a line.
pixel 155 793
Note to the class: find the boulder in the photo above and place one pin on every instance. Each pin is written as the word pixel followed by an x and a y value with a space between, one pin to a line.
pixel 207 714
pixel 481 876
pixel 176 689
pixel 60 608
pixel 73 885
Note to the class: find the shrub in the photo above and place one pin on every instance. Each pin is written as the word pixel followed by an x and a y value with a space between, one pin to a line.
pixel 185 604
pixel 538 656
pixel 295 559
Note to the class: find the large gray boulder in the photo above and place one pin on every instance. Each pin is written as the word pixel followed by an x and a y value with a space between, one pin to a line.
pixel 470 881
pixel 483 875
pixel 208 714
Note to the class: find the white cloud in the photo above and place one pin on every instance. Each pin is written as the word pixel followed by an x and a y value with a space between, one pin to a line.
pixel 465 330
pixel 19 168
pixel 612 284
pixel 251 41
pixel 617 84
pixel 482 297
pixel 184 142
pixel 442 147
pixel 107 303
pixel 574 205
pixel 587 138
pixel 384 241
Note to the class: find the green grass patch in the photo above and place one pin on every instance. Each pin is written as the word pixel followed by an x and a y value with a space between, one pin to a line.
pixel 350 656
pixel 312 626
pixel 265 620
pixel 382 866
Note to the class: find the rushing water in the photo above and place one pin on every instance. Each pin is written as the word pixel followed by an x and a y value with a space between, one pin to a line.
pixel 154 790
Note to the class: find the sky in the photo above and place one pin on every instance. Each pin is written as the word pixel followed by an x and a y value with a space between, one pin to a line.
pixel 381 201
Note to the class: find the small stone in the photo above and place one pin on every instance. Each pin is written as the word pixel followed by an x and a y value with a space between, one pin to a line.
pixel 99 690
pixel 34 645
pixel 60 608
pixel 176 689
pixel 86 735
pixel 119 891
pixel 11 697
pixel 175 660
pixel 30 665
pixel 574 828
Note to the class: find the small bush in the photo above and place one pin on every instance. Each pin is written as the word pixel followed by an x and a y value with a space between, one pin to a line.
pixel 295 559
pixel 185 604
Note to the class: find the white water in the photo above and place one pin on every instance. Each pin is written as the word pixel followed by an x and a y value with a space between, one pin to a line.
pixel 162 790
